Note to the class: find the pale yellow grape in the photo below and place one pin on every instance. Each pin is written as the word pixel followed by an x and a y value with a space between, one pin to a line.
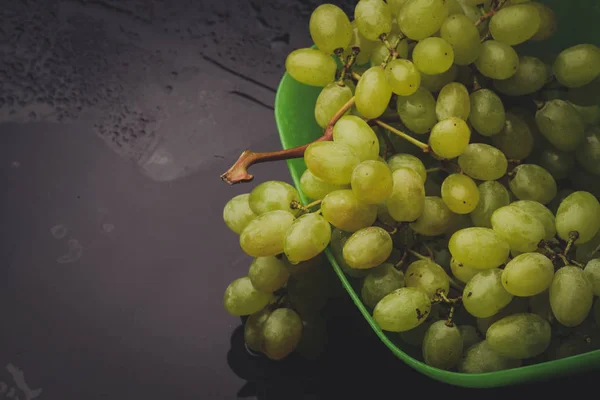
pixel 519 336
pixel 522 231
pixel 403 160
pixel 308 236
pixel 402 310
pixel 497 60
pixel 355 133
pixel 264 235
pixel 403 77
pixel 540 212
pixel 237 213
pixel 571 295
pixel 530 77
pixel 330 28
pixel 427 276
pixel 532 182
pixel 311 67
pixel 282 332
pixel 343 210
pixel 373 18
pixel 442 345
pixel 273 195
pixel 449 138
pixel 373 93
pixel 316 188
pixel 408 195
pixel 479 248
pixel 458 30
pixel 331 162
pixel 329 102
pixel 460 193
pixel 492 196
pixel 579 212
pixel 435 83
pixel 433 56
pixel 268 274
pixel 417 111
pixel 484 294
pixel 515 140
pixel 367 248
pixel 241 298
pixel 592 271
pixel 516 24
pixel 577 66
pixel 372 182
pixel 462 272
pixel 436 218
pixel 548 23
pixel 528 274
pixel 419 19
pixel 482 161
pixel 453 101
pixel 487 112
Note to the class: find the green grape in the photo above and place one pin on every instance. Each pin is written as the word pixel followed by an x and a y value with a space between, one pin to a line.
pixel 396 5
pixel 589 114
pixel 484 294
pixel 282 332
pixel 311 67
pixel 433 55
pixel 479 248
pixel 515 140
pixel 338 239
pixel 408 195
pixel 330 28
pixel 331 162
pixel 530 77
pixel 381 52
pixel 541 213
pixel 372 92
pixel 372 182
pixel 577 66
pixel 492 196
pixel 516 24
pixel 435 83
pixel 460 193
pixel 449 138
pixel 560 196
pixel 519 336
pixel 453 101
pixel 561 124
pixel 588 250
pixel 522 231
pixel 480 358
pixel 316 188
pixel 528 274
pixel 308 293
pixel 454 8
pixel 366 46
pixel 307 236
pixel 588 152
pixel 384 216
pixel 367 248
pixel 403 160
pixel 314 338
pixel 435 219
pixel 264 235
pixel 268 274
pixel 548 24
pixel 579 212
pixel 484 162
pixel 442 345
pixel 402 310
pixel 571 296
pixel 532 182
pixel 273 195
pixel 417 111
pixel 473 13
pixel 343 210
pixel 558 163
pixel 470 335
pixel 487 112
pixel 241 298
pixel 516 305
pixel 373 18
pixel 253 329
pixel 419 19
pixel 463 36
pixel 586 95
pixel 592 271
pixel 415 336
pixel 330 100
pixel 462 272
pixel 428 277
pixel 403 77
pixel 497 60
pixel 237 213
pixel 380 282
pixel 355 133
pixel 433 188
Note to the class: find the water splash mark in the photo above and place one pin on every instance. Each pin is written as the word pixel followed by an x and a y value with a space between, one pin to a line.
pixel 108 228
pixel 74 253
pixel 59 231
pixel 19 379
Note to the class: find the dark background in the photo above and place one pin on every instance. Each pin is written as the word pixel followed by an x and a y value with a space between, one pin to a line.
pixel 117 118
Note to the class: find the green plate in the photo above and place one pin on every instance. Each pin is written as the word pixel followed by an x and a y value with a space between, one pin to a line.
pixel 294 115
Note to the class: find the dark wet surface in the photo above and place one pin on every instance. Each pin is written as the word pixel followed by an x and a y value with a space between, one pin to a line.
pixel 116 119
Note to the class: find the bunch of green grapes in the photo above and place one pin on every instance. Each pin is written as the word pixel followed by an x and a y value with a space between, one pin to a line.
pixel 458 189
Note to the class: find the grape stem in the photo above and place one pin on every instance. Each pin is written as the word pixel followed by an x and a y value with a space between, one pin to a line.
pixel 490 13
pixel 239 171
pixel 348 65
pixel 398 265
pixel 296 205
pixel 573 236
pixel 418 255
pixel 421 145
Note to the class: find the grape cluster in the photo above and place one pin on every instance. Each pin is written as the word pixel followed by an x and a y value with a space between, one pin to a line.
pixel 456 185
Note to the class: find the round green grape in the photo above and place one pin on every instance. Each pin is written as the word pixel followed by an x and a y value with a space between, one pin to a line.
pixel 561 124
pixel 343 210
pixel 519 336
pixel 522 231
pixel 541 213
pixel 479 248
pixel 458 30
pixel 237 213
pixel 530 77
pixel 331 162
pixel 372 182
pixel 264 235
pixel 484 294
pixel 308 236
pixel 484 162
pixel 435 219
pixel 433 55
pixel 402 310
pixel 380 281
pixel 460 193
pixel 516 24
pixel 487 112
pixel 592 271
pixel 403 160
pixel 515 140
pixel 497 60
pixel 579 212
pixel 548 22
pixel 577 66
pixel 373 18
pixel 408 195
pixel 453 101
pixel 253 335
pixel 330 28
pixel 442 345
pixel 373 93
pixel 492 196
pixel 462 272
pixel 311 67
pixel 282 332
pixel 268 274
pixel 355 133
pixel 330 100
pixel 417 111
pixel 367 248
pixel 449 138
pixel 419 19
pixel 316 188
pixel 427 276
pixel 532 182
pixel 241 298
pixel 528 274
pixel 403 77
pixel 571 296
pixel 273 195
pixel 481 358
